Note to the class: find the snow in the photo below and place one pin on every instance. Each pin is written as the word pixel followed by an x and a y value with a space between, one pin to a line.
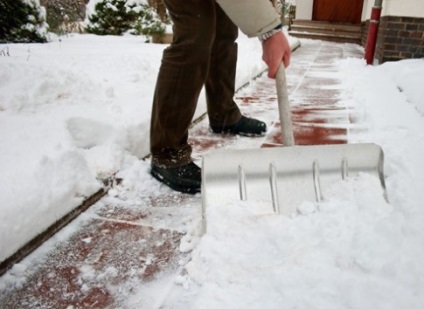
pixel 73 112
pixel 354 250
pixel 77 110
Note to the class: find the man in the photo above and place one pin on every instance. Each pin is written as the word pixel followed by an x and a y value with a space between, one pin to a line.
pixel 204 53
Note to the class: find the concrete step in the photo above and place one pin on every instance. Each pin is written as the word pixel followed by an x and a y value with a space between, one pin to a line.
pixel 326 25
pixel 320 30
pixel 326 30
pixel 327 37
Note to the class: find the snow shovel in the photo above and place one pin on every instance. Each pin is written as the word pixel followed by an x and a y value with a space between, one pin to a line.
pixel 284 176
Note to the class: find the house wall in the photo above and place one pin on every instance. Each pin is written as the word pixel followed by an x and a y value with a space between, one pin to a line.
pixel 401 29
pixel 400 38
pixel 409 8
pixel 304 9
pixel 366 11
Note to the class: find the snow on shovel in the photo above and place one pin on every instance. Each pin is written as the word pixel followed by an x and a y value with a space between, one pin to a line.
pixel 284 176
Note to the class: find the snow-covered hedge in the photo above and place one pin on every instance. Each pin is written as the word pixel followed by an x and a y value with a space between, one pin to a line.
pixel 117 17
pixel 22 21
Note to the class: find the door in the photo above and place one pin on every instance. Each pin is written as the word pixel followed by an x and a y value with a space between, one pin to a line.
pixel 347 11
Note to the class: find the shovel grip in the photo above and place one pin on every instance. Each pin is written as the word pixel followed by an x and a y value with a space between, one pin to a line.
pixel 284 107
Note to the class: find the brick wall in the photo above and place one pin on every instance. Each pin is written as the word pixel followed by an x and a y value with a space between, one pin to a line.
pixel 398 38
pixel 364 32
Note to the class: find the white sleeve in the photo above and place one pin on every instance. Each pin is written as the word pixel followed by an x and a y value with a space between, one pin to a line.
pixel 253 17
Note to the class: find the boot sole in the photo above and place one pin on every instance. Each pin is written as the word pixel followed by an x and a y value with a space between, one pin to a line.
pixel 173 185
pixel 239 133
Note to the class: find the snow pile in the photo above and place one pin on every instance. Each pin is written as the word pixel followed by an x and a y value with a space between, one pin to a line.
pixel 354 250
pixel 66 121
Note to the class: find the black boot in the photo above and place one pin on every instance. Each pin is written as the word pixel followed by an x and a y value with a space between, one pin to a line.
pixel 245 126
pixel 186 178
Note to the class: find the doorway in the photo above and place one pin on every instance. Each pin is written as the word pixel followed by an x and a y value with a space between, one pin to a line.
pixel 345 11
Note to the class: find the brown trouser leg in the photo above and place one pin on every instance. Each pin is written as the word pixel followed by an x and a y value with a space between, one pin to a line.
pixel 203 52
pixel 222 110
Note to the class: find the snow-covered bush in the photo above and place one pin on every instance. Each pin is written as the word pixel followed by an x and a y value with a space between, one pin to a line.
pixel 22 21
pixel 287 10
pixel 117 17
pixel 62 13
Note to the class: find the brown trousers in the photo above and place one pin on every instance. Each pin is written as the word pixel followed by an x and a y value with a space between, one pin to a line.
pixel 203 53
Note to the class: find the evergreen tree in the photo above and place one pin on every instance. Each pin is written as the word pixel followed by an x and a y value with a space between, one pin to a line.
pixel 64 11
pixel 117 17
pixel 22 21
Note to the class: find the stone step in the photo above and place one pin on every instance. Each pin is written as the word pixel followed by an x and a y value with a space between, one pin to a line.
pixel 334 26
pixel 320 30
pixel 327 37
pixel 328 31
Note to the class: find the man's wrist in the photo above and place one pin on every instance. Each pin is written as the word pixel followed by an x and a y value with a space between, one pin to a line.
pixel 265 36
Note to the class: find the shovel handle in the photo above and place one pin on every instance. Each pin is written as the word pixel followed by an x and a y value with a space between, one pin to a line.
pixel 284 107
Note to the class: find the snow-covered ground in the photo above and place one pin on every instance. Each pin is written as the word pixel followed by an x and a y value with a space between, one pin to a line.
pixel 353 250
pixel 72 112
pixel 77 110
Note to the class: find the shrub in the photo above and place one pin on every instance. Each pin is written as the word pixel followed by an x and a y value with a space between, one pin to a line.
pixel 22 21
pixel 63 12
pixel 117 17
pixel 149 23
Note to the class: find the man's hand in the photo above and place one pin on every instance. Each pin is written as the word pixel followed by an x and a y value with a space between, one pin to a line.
pixel 275 50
